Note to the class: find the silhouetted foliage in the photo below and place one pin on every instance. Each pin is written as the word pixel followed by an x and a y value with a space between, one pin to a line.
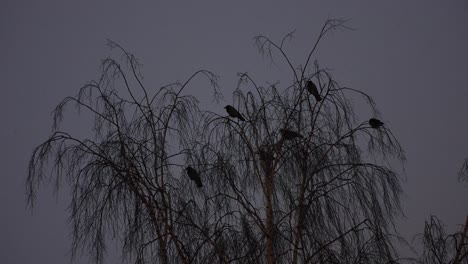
pixel 440 247
pixel 330 197
pixel 122 180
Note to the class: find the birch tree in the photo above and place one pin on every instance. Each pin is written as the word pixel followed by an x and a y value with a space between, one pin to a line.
pixel 255 193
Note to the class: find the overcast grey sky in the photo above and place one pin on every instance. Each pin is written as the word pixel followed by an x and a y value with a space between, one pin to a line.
pixel 411 56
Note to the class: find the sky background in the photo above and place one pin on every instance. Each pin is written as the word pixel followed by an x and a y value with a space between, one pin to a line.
pixel 410 56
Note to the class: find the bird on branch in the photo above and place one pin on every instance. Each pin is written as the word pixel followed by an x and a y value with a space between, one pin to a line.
pixel 375 123
pixel 233 112
pixel 266 159
pixel 312 88
pixel 265 155
pixel 194 176
pixel 289 134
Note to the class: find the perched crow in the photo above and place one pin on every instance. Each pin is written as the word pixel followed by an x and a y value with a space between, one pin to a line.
pixel 194 176
pixel 289 134
pixel 313 90
pixel 375 123
pixel 265 155
pixel 233 112
pixel 266 159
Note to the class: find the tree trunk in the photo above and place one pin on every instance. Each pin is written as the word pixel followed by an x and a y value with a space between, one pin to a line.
pixel 300 219
pixel 269 255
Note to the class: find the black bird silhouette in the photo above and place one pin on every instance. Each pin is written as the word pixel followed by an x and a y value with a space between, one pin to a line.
pixel 312 88
pixel 233 112
pixel 375 123
pixel 266 158
pixel 265 155
pixel 194 176
pixel 289 134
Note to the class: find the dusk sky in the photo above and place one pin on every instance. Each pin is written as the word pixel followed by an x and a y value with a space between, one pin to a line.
pixel 410 56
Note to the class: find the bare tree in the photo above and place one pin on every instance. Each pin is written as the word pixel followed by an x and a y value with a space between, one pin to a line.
pixel 440 247
pixel 122 180
pixel 327 194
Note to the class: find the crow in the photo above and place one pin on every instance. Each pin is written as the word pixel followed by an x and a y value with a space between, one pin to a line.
pixel 312 88
pixel 375 123
pixel 289 134
pixel 266 159
pixel 233 112
pixel 265 155
pixel 194 176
